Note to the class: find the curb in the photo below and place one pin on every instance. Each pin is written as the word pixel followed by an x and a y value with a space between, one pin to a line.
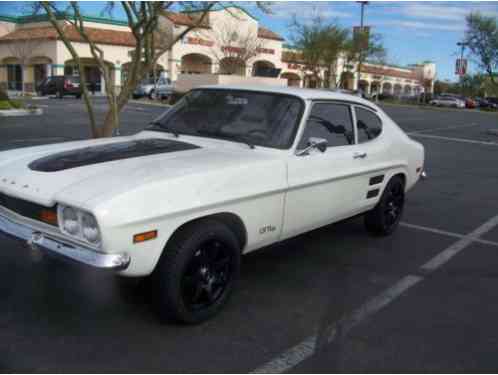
pixel 21 112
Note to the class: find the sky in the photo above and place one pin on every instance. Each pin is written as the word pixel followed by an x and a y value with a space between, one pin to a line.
pixel 412 32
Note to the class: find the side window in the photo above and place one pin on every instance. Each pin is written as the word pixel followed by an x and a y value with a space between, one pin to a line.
pixel 329 121
pixel 369 126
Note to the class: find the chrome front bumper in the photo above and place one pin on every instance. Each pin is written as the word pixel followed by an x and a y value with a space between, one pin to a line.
pixel 40 238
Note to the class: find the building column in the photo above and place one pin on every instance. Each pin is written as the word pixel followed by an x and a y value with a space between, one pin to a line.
pixel 3 77
pixel 28 78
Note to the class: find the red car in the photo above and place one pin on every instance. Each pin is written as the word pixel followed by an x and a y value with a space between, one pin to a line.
pixel 470 103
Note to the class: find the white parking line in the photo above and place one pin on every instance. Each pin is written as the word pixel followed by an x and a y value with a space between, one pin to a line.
pixel 446 233
pixel 337 330
pixel 428 130
pixel 344 325
pixel 458 246
pixel 464 140
pixel 289 358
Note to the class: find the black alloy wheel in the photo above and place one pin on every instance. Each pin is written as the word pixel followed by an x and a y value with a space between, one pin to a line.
pixel 207 275
pixel 393 204
pixel 196 273
pixel 386 215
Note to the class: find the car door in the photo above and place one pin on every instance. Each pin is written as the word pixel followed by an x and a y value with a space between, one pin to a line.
pixel 373 142
pixel 329 186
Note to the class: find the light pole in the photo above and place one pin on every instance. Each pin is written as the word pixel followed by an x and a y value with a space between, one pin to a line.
pixel 463 45
pixel 360 40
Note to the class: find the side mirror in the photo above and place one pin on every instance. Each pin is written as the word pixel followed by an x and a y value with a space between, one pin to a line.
pixel 320 144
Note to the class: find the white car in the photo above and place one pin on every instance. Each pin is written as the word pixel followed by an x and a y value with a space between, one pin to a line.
pixel 447 101
pixel 227 170
pixel 160 89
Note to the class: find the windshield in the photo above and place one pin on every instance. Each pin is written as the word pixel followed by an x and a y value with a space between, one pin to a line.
pixel 147 81
pixel 257 118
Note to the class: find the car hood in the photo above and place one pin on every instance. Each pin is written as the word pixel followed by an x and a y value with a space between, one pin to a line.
pixel 142 88
pixel 83 173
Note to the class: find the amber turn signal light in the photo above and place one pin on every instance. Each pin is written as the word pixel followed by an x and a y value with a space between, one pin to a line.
pixel 49 217
pixel 141 237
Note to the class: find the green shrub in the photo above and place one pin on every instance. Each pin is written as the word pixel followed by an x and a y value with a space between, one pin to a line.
pixel 5 104
pixel 489 109
pixel 16 104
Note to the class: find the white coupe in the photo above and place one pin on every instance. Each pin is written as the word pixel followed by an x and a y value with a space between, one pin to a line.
pixel 227 170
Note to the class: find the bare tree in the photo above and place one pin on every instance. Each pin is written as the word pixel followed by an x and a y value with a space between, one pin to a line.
pixel 143 20
pixel 233 48
pixel 24 50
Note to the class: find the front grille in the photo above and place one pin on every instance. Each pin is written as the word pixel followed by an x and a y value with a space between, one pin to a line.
pixel 25 208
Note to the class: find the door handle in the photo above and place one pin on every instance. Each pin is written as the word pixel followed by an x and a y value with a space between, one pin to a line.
pixel 359 155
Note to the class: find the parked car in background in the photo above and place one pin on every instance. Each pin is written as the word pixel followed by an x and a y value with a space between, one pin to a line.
pixel 227 170
pixel 481 102
pixel 447 101
pixel 60 86
pixel 470 103
pixel 160 89
pixel 493 102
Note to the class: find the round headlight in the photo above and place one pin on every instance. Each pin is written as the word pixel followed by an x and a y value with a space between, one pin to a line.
pixel 89 228
pixel 70 221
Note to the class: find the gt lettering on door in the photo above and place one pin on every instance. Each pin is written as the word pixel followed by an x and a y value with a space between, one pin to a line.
pixel 267 229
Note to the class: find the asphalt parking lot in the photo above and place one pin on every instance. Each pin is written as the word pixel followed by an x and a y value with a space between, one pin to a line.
pixel 332 300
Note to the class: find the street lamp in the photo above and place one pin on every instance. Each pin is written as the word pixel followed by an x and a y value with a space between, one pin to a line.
pixel 360 41
pixel 462 45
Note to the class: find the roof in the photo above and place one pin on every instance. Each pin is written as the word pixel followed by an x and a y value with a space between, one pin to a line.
pixel 268 34
pixel 305 94
pixel 59 16
pixel 101 36
pixel 186 19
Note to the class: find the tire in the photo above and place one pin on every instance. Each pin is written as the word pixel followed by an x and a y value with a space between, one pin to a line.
pixel 196 273
pixel 384 218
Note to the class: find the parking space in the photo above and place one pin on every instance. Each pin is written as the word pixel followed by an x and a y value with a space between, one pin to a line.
pixel 334 299
pixel 67 120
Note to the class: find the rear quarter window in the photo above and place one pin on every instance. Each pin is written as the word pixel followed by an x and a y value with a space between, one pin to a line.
pixel 368 125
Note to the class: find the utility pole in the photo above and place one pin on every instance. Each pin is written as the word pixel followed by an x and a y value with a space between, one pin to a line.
pixel 463 45
pixel 360 57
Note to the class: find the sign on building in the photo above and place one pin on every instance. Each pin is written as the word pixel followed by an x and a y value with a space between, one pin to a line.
pixel 461 67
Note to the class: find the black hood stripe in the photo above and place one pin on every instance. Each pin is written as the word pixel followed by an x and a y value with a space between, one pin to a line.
pixel 106 153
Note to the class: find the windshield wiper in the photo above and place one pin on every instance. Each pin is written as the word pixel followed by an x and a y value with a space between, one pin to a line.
pixel 156 125
pixel 233 138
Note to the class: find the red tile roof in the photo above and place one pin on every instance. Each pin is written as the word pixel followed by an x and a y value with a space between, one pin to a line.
pixel 268 34
pixel 101 36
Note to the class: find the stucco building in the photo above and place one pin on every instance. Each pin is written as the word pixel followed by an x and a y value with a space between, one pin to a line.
pixel 30 50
